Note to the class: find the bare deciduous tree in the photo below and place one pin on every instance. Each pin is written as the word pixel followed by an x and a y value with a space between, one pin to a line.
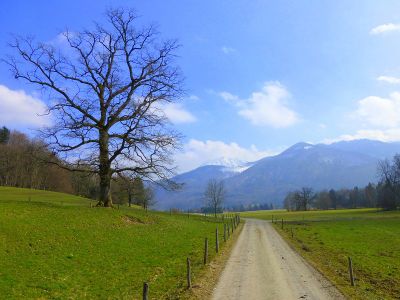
pixel 389 173
pixel 148 200
pixel 303 198
pixel 106 87
pixel 215 194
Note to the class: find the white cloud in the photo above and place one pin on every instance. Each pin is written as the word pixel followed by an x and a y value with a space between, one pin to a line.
pixel 229 97
pixel 385 28
pixel 228 50
pixel 61 38
pixel 385 135
pixel 196 153
pixel 18 109
pixel 268 107
pixel 389 79
pixel 380 112
pixel 193 97
pixel 378 117
pixel 177 114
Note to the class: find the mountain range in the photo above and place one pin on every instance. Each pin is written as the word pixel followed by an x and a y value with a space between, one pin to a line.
pixel 344 164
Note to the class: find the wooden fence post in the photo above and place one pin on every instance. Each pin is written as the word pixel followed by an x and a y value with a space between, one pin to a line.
pixel 224 232
pixel 216 241
pixel 351 272
pixel 282 224
pixel 145 291
pixel 205 250
pixel 188 273
pixel 229 230
pixel 291 230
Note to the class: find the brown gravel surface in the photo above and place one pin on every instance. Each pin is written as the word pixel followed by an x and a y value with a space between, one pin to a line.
pixel 263 266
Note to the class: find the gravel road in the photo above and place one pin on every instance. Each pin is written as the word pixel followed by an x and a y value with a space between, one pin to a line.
pixel 263 266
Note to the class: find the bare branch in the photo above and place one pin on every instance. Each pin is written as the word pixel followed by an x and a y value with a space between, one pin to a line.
pixel 104 88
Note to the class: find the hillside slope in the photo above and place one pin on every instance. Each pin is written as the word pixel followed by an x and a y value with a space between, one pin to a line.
pixel 320 167
pixel 55 246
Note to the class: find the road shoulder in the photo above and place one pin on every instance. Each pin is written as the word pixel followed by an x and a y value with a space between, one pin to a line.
pixel 206 281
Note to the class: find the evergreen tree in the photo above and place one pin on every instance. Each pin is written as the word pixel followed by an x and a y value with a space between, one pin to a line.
pixel 4 135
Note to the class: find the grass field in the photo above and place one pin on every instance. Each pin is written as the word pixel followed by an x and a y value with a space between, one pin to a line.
pixel 56 246
pixel 327 238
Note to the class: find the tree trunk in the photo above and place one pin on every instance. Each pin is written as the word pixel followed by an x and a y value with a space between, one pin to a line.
pixel 105 171
pixel 105 190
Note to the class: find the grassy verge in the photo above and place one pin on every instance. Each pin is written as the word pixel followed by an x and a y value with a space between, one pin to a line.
pixel 209 276
pixel 56 246
pixel 327 238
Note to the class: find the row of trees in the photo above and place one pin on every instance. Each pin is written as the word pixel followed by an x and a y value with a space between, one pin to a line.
pixel 28 163
pixel 24 162
pixel 370 196
pixel 251 207
pixel 306 198
pixel 385 194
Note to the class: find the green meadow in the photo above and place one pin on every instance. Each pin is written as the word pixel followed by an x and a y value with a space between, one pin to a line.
pixel 327 238
pixel 56 246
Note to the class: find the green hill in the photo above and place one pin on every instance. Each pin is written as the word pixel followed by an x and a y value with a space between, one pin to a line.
pixel 54 245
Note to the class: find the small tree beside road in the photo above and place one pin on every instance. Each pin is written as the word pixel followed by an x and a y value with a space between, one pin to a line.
pixel 215 195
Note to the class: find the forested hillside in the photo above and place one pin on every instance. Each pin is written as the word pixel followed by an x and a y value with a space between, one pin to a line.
pixel 27 163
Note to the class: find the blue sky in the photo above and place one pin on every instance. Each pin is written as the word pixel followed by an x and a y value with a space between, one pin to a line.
pixel 260 75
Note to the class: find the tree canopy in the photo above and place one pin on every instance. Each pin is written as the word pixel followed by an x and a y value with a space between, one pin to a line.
pixel 106 88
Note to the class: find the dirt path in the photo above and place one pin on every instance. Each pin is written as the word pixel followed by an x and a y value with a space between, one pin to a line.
pixel 263 266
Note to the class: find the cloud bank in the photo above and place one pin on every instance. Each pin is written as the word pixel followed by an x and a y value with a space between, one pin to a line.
pixel 389 79
pixel 18 109
pixel 177 114
pixel 268 107
pixel 196 153
pixel 384 28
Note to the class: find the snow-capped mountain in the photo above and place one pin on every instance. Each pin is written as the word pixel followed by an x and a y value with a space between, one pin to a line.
pixel 268 180
pixel 230 164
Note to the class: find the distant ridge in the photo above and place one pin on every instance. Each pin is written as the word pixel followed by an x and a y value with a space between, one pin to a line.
pixel 343 164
